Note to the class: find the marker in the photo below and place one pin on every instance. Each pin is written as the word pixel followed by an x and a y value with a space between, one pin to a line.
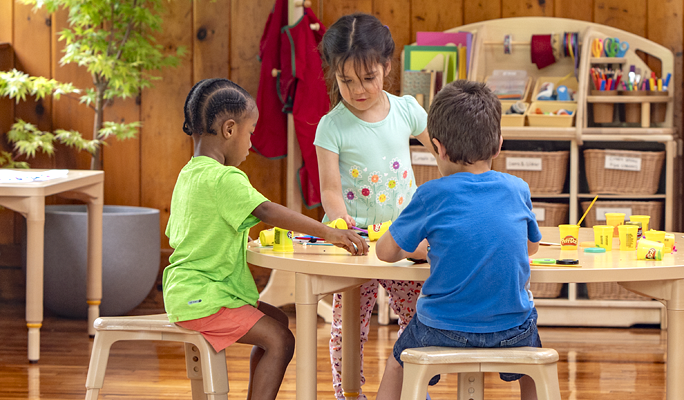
pixel 667 81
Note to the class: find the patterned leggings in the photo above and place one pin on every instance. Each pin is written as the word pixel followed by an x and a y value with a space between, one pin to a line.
pixel 402 299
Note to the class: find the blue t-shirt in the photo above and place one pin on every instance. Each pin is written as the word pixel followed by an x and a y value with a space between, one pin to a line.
pixel 477 226
pixel 374 158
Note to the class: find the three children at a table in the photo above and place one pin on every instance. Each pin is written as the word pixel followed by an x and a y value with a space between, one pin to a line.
pixel 362 146
pixel 208 286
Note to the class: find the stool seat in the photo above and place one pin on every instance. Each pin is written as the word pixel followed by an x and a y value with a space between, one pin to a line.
pixel 205 367
pixel 451 355
pixel 421 364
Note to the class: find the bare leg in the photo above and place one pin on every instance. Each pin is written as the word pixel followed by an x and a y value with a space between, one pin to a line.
pixel 528 390
pixel 273 350
pixel 392 379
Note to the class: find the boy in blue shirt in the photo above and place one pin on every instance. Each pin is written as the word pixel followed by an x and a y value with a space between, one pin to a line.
pixel 481 230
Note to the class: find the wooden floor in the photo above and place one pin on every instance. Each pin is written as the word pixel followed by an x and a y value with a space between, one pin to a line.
pixel 624 364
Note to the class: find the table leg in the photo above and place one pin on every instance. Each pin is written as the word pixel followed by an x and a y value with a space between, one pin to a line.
pixel 94 275
pixel 306 303
pixel 35 224
pixel 675 342
pixel 351 342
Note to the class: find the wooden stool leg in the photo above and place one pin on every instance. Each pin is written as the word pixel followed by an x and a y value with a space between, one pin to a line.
pixel 214 371
pixel 193 367
pixel 415 383
pixel 98 364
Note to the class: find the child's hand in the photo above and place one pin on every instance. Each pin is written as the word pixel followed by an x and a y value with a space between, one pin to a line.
pixel 348 240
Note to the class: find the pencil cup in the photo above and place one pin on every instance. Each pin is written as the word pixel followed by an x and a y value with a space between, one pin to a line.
pixel 669 243
pixel 603 236
pixel 338 224
pixel 633 110
pixel 569 236
pixel 282 241
pixel 603 112
pixel 649 250
pixel 615 219
pixel 375 231
pixel 266 237
pixel 655 236
pixel 658 110
pixel 628 237
pixel 644 221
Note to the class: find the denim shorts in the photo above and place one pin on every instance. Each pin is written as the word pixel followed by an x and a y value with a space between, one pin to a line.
pixel 418 334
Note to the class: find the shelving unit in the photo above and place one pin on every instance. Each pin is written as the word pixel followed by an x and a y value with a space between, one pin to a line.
pixel 487 55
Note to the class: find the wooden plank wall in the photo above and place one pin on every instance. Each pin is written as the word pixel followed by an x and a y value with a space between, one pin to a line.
pixel 223 40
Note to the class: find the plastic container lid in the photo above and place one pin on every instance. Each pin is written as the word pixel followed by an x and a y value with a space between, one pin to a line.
pixel 594 250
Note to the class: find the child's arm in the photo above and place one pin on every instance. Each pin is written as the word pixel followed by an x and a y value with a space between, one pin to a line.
pixel 424 138
pixel 532 248
pixel 282 217
pixel 331 186
pixel 388 250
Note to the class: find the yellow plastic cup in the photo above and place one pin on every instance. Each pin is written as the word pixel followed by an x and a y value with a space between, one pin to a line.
pixel 266 237
pixel 282 241
pixel 638 225
pixel 644 221
pixel 656 236
pixel 375 231
pixel 649 250
pixel 569 236
pixel 628 237
pixel 603 236
pixel 669 243
pixel 615 219
pixel 338 224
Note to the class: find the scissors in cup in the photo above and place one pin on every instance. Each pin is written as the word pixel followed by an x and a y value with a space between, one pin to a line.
pixel 611 47
pixel 597 48
pixel 622 48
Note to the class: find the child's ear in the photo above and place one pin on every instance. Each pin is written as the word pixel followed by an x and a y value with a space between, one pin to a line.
pixel 441 150
pixel 227 128
pixel 500 144
pixel 388 68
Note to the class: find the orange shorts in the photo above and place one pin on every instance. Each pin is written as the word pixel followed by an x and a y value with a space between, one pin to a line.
pixel 226 326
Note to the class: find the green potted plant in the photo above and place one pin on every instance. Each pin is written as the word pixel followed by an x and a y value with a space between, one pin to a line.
pixel 113 40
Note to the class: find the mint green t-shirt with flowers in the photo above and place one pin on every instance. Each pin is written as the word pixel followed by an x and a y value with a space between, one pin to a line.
pixel 374 158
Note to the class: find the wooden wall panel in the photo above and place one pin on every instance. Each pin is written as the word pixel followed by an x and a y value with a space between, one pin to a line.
pixel 526 8
pixel 629 15
pixel 6 7
pixel 397 16
pixel 574 9
pixel 32 49
pixel 245 33
pixel 210 40
pixel 165 149
pixel 480 10
pixel 334 9
pixel 424 17
pixel 122 157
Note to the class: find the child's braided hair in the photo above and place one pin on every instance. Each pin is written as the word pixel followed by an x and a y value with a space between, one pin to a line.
pixel 210 98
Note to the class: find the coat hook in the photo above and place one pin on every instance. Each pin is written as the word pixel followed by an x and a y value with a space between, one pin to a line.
pixel 275 72
pixel 315 26
pixel 300 3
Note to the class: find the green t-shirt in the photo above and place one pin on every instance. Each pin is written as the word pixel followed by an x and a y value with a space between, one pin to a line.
pixel 211 213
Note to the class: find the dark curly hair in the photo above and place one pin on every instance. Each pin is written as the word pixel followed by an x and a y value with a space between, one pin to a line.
pixel 211 99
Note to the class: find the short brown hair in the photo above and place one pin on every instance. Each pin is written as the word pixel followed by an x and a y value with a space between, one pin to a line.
pixel 465 117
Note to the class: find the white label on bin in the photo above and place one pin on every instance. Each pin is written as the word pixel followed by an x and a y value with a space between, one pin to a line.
pixel 539 213
pixel 423 158
pixel 523 164
pixel 623 163
pixel 601 212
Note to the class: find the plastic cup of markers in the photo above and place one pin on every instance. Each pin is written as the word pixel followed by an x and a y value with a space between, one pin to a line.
pixel 649 250
pixel 615 219
pixel 282 241
pixel 656 236
pixel 266 237
pixel 603 236
pixel 628 237
pixel 669 243
pixel 338 224
pixel 644 221
pixel 375 231
pixel 569 236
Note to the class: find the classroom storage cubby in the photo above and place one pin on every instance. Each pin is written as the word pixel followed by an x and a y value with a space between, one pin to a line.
pixel 637 123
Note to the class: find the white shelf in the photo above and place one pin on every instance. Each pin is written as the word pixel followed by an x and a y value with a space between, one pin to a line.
pixel 614 313
pixel 629 99
pixel 607 60
pixel 538 133
pixel 550 196
pixel 623 196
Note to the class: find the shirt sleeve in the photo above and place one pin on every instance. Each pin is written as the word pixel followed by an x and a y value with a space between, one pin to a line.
pixel 409 228
pixel 418 116
pixel 533 233
pixel 236 199
pixel 327 135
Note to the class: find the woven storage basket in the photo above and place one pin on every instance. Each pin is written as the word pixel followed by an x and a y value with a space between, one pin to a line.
pixel 617 181
pixel 551 178
pixel 423 173
pixel 554 213
pixel 611 291
pixel 652 208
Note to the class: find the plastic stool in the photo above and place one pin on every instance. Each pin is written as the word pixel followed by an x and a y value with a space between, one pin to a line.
pixel 205 367
pixel 421 364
